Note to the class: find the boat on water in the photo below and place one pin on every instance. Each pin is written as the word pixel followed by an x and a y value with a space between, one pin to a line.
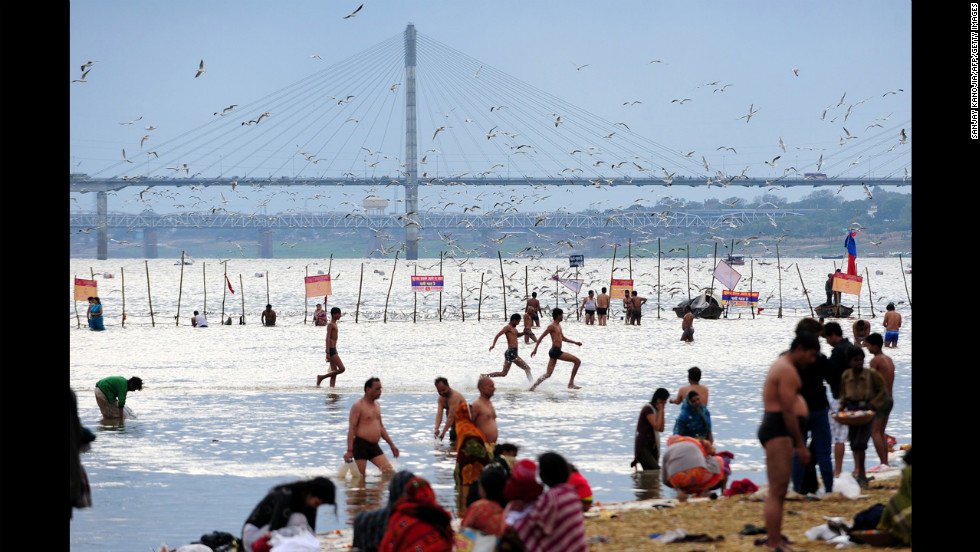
pixel 703 305
pixel 829 310
pixel 734 260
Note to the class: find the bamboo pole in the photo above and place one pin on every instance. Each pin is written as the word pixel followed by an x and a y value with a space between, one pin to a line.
pixel 241 285
pixel 479 301
pixel 779 274
pixel 870 300
pixel 91 272
pixel 503 284
pixel 224 292
pixel 357 313
pixel 688 273
pixel 330 265
pixel 390 285
pixel 78 319
pixel 440 293
pixel 659 306
pixel 204 279
pixel 751 275
pixel 578 313
pixel 415 297
pixel 149 299
pixel 629 255
pixel 805 294
pixel 306 300
pixel 526 291
pixel 122 277
pixel 612 273
pixel 180 287
pixel 268 300
pixel 556 287
pixel 901 266
pixel 461 311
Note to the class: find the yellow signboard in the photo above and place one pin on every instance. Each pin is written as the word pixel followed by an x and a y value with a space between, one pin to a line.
pixel 845 283
pixel 318 286
pixel 85 289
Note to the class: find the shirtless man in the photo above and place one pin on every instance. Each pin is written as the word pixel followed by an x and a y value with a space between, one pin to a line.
pixel 533 306
pixel 366 430
pixel 861 329
pixel 555 353
pixel 636 303
pixel 602 307
pixel 693 384
pixel 510 355
pixel 268 316
pixel 687 325
pixel 483 414
pixel 627 307
pixel 785 412
pixel 333 359
pixel 884 365
pixel 527 333
pixel 893 321
pixel 449 400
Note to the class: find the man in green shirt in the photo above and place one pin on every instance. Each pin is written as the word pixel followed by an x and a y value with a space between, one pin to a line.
pixel 110 394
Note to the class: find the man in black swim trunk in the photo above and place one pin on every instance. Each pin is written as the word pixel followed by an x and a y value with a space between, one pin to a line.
pixel 333 359
pixel 365 431
pixel 510 355
pixel 555 353
pixel 780 431
pixel 532 308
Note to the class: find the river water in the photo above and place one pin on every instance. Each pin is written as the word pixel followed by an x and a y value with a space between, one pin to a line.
pixel 229 411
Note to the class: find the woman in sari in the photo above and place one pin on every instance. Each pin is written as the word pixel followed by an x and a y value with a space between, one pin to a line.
pixel 95 314
pixel 691 466
pixel 369 527
pixel 694 420
pixel 471 454
pixel 418 523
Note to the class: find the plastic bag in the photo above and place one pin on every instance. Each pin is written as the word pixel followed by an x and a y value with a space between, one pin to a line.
pixel 349 468
pixel 847 485
pixel 468 539
pixel 294 541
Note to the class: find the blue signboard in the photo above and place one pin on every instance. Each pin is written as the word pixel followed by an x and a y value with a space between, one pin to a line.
pixel 576 260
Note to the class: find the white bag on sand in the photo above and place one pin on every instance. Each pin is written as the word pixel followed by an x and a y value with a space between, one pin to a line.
pixel 847 485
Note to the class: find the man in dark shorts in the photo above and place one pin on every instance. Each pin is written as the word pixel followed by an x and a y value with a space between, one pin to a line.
pixel 532 308
pixel 333 358
pixel 555 353
pixel 627 307
pixel 636 303
pixel 602 307
pixel 687 325
pixel 510 355
pixel 449 400
pixel 365 431
pixel 784 411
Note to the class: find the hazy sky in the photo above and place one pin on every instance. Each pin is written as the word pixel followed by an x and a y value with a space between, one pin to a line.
pixel 853 61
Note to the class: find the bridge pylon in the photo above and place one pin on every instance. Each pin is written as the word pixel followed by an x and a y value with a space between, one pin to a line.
pixel 411 149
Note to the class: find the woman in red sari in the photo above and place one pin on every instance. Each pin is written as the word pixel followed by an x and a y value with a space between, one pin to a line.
pixel 418 523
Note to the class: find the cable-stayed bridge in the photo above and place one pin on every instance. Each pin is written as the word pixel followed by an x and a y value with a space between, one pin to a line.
pixel 411 111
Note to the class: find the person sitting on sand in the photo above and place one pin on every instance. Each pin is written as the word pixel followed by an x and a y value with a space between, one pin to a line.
pixel 691 467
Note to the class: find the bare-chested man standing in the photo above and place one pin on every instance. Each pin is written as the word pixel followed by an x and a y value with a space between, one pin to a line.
pixel 533 306
pixel 366 430
pixel 884 365
pixel 693 384
pixel 785 412
pixel 637 302
pixel 602 307
pixel 687 325
pixel 893 321
pixel 333 359
pixel 483 414
pixel 510 355
pixel 449 400
pixel 555 353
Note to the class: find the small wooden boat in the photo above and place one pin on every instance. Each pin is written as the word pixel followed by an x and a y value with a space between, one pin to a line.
pixel 828 310
pixel 702 305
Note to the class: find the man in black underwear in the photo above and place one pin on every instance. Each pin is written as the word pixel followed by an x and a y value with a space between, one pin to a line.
pixel 602 307
pixel 365 430
pixel 785 412
pixel 510 355
pixel 333 359
pixel 555 353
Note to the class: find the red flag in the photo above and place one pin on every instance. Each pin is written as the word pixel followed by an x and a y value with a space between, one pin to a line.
pixel 229 284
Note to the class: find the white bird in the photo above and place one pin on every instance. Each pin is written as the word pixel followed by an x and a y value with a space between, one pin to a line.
pixel 681 102
pixel 145 138
pixel 580 67
pixel 477 74
pixel 124 156
pixel 200 70
pixel 748 116
pixel 86 65
pixel 773 162
pixel 225 111
pixel 819 162
pixel 151 127
pixel 905 176
pixel 83 77
pixel 705 162
pixel 904 139
pixel 394 86
pixel 848 137
pixel 354 13
pixel 133 121
pixel 883 95
pixel 796 71
pixel 841 102
pixel 317 56
pixel 781 144
pixel 725 148
pixel 866 190
pixel 438 130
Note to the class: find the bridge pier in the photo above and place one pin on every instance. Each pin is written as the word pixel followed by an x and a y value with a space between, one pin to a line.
pixel 150 250
pixel 101 229
pixel 265 244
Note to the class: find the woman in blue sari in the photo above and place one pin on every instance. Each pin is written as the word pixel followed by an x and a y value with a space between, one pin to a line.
pixel 95 314
pixel 694 420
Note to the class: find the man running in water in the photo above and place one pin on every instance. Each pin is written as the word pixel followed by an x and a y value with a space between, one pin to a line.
pixel 555 353
pixel 510 355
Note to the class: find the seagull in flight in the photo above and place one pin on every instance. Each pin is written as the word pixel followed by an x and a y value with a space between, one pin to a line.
pixel 905 138
pixel 681 102
pixel 773 162
pixel 87 65
pixel 726 148
pixel 83 77
pixel 883 95
pixel 796 71
pixel 781 144
pixel 477 74
pixel 438 130
pixel 748 116
pixel 580 67
pixel 225 111
pixel 124 156
pixel 133 121
pixel 200 69
pixel 354 13
pixel 145 138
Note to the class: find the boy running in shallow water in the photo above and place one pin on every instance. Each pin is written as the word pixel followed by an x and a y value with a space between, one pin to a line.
pixel 555 353
pixel 510 355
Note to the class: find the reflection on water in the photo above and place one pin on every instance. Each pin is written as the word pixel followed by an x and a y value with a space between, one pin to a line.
pixel 647 484
pixel 366 495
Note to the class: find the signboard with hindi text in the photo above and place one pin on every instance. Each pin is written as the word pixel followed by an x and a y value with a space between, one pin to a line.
pixel 846 283
pixel 427 283
pixel 317 286
pixel 85 289
pixel 739 298
pixel 616 288
pixel 576 260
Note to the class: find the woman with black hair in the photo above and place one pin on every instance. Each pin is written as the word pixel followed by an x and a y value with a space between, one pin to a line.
pixel 288 505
